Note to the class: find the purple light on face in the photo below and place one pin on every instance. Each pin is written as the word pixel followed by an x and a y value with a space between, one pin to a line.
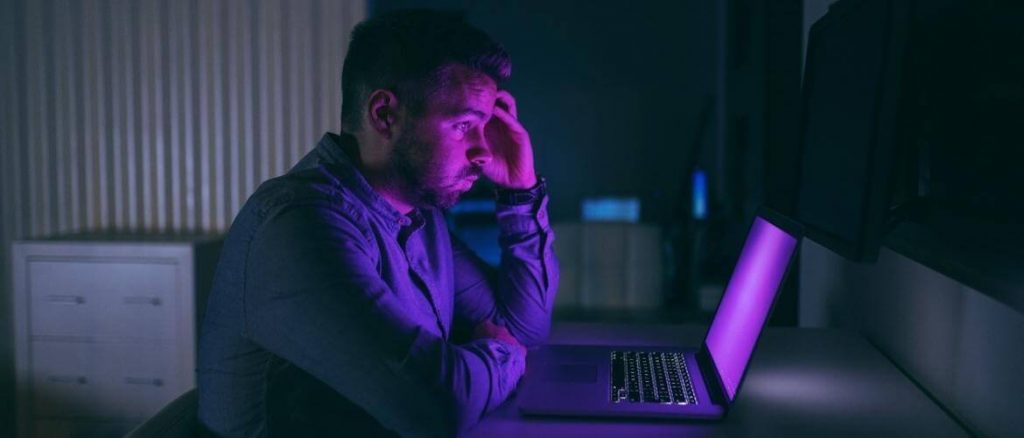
pixel 747 300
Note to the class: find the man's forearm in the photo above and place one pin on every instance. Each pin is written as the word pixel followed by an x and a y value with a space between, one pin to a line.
pixel 528 275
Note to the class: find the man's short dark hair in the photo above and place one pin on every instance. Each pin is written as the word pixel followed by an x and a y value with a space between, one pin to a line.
pixel 407 52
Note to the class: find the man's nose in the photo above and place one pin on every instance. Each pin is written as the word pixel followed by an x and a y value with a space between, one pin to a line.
pixel 479 155
pixel 480 152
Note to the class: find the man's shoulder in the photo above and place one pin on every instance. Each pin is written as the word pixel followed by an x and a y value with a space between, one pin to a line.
pixel 316 188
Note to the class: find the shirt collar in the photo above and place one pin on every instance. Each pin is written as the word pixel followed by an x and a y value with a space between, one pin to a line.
pixel 331 151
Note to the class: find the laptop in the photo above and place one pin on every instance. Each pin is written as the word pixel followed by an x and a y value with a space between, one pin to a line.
pixel 664 382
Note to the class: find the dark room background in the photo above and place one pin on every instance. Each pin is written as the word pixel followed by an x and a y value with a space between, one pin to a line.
pixel 162 117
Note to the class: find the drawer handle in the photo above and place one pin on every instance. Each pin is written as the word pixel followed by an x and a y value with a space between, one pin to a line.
pixel 144 381
pixel 66 299
pixel 81 380
pixel 156 301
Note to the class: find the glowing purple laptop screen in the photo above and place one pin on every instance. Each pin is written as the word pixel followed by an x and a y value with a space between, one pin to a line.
pixel 747 301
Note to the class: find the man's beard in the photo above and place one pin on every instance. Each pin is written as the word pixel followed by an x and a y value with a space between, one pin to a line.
pixel 417 174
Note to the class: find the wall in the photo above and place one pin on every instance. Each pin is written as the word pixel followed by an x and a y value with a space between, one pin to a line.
pixel 960 345
pixel 154 115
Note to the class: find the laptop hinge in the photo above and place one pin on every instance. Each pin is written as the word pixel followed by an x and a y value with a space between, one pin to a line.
pixel 712 381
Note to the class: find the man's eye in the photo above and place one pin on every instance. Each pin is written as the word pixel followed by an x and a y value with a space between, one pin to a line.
pixel 462 126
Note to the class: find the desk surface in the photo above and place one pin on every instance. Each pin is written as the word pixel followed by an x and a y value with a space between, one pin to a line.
pixel 802 382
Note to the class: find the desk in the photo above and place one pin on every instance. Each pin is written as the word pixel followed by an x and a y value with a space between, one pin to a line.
pixel 802 382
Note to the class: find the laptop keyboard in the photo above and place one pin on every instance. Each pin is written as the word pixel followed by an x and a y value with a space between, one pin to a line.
pixel 651 377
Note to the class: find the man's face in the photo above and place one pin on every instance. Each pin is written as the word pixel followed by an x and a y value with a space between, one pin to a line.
pixel 440 154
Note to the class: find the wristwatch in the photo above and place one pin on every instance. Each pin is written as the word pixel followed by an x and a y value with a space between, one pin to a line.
pixel 522 197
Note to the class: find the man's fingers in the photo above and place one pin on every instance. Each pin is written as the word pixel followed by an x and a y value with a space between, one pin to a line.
pixel 509 101
pixel 509 120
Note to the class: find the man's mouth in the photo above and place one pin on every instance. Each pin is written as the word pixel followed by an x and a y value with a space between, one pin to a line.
pixel 466 178
pixel 472 174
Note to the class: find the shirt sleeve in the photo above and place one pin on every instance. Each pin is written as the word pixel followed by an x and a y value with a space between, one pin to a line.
pixel 314 298
pixel 520 294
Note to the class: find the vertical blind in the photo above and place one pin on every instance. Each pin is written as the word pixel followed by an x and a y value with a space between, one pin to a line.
pixel 160 115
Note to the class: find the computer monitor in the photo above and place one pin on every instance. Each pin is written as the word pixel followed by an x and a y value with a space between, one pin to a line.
pixel 850 123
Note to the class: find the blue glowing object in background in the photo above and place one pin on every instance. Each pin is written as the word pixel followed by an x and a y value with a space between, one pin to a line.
pixel 611 210
pixel 700 194
pixel 472 221
pixel 473 206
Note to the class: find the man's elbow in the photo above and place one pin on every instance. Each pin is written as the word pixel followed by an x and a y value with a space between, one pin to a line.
pixel 534 334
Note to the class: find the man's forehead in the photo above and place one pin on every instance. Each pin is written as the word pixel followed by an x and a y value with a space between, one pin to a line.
pixel 465 88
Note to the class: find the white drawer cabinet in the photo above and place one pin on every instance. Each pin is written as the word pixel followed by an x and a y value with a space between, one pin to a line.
pixel 103 297
pixel 106 328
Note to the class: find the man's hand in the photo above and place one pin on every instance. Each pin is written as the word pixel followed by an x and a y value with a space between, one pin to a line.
pixel 512 164
pixel 490 330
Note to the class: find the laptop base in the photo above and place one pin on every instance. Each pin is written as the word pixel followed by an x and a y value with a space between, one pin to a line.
pixel 575 380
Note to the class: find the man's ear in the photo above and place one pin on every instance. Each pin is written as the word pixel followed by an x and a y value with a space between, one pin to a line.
pixel 382 112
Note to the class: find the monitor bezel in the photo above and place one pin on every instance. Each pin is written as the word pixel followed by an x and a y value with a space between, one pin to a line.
pixel 875 203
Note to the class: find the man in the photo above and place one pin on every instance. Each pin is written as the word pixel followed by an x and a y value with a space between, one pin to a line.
pixel 341 305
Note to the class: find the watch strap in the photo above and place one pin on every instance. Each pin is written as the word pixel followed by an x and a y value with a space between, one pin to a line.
pixel 522 197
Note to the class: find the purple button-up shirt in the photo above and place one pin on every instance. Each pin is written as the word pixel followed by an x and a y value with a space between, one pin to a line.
pixel 320 274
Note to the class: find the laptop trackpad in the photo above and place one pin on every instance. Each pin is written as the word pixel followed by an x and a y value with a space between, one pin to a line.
pixel 570 373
